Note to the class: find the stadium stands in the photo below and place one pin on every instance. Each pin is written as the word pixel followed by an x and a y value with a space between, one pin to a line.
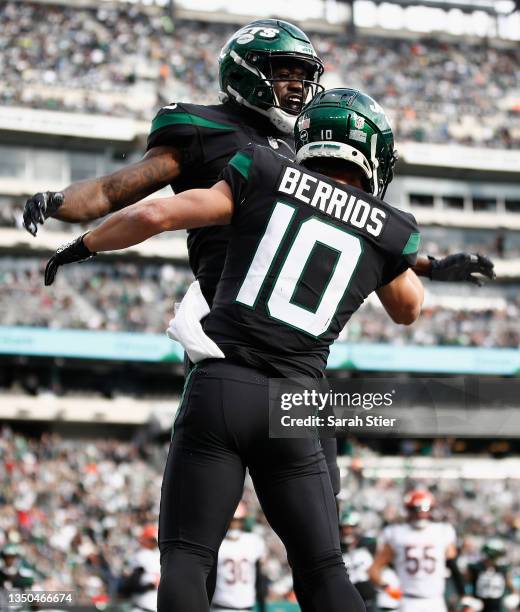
pixel 76 505
pixel 120 296
pixel 136 59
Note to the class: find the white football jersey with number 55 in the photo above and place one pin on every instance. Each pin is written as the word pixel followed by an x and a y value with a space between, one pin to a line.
pixel 420 557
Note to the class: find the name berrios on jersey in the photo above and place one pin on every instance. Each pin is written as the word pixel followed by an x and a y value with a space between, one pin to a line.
pixel 333 201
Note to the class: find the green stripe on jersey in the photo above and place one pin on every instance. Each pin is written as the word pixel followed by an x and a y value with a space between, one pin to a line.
pixel 187 119
pixel 241 162
pixel 412 246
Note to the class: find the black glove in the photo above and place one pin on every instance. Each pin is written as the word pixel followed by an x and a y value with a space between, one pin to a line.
pixel 461 267
pixel 39 207
pixel 69 253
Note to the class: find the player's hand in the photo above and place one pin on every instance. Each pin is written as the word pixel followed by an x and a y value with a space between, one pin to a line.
pixel 393 592
pixel 69 253
pixel 470 604
pixel 462 267
pixel 39 207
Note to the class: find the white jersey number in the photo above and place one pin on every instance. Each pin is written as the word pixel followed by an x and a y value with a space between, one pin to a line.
pixel 237 570
pixel 420 558
pixel 311 232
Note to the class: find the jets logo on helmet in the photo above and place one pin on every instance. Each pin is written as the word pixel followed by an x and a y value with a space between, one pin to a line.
pixel 248 34
pixel 494 548
pixel 246 68
pixel 347 124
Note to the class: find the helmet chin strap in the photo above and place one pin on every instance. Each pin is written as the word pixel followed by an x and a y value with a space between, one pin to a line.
pixel 375 164
pixel 283 121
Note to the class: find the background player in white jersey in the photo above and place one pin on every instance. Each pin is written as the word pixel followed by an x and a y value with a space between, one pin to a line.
pixel 238 567
pixel 419 550
pixel 142 583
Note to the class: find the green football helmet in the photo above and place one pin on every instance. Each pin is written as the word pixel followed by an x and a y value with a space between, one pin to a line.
pixel 347 124
pixel 349 518
pixel 494 548
pixel 246 68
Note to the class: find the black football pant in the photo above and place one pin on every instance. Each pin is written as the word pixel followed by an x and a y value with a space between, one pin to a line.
pixel 222 428
pixel 330 450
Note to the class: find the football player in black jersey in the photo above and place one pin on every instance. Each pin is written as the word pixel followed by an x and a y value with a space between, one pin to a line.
pixel 307 245
pixel 490 578
pixel 268 69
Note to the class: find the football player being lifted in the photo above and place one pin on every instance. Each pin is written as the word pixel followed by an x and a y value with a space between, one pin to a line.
pixel 267 70
pixel 419 550
pixel 308 243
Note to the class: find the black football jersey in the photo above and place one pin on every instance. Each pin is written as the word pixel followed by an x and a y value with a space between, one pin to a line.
pixel 304 252
pixel 489 585
pixel 207 137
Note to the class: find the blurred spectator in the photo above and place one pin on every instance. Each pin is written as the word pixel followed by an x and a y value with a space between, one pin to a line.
pixel 114 296
pixel 136 59
pixel 75 510
pixel 139 297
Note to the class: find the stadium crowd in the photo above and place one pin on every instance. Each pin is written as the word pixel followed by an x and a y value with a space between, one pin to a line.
pixel 138 59
pixel 74 509
pixel 113 297
pixel 439 326
pixel 435 240
pixel 121 296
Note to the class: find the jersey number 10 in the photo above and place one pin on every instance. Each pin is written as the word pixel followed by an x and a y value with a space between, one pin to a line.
pixel 311 232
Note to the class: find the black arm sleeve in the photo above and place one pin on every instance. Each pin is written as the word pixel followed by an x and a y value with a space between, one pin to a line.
pixel 131 585
pixel 261 584
pixel 456 576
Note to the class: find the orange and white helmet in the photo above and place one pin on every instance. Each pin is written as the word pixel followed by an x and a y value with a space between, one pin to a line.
pixel 148 535
pixel 419 504
pixel 419 500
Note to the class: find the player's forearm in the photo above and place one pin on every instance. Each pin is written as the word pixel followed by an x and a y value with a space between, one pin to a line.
pixel 375 573
pixel 87 200
pixel 125 228
pixel 403 298
pixel 189 209
pixel 423 267
pixel 95 198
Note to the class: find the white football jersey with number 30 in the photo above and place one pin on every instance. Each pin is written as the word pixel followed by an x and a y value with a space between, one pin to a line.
pixel 236 572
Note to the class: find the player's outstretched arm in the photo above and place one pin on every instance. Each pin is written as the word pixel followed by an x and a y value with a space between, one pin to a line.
pixel 94 198
pixel 384 557
pixel 457 268
pixel 136 223
pixel 403 297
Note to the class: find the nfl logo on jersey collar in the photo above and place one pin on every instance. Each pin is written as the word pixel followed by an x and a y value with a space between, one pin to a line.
pixel 273 142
